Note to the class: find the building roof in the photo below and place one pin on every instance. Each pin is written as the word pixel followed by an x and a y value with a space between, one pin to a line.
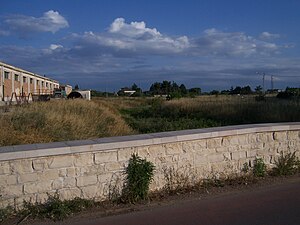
pixel 28 72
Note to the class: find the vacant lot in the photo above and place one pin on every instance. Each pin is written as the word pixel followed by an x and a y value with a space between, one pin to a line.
pixel 208 111
pixel 61 120
pixel 42 122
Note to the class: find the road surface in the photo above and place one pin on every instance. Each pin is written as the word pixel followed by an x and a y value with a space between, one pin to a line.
pixel 271 205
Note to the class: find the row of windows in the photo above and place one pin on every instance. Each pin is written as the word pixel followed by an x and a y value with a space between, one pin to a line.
pixel 17 78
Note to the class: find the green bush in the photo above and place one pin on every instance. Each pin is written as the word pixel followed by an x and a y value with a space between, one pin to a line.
pixel 286 164
pixel 259 168
pixel 55 208
pixel 139 174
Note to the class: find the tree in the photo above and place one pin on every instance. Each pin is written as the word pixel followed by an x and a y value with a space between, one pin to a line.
pixel 166 87
pixel 183 89
pixel 134 87
pixel 195 91
pixel 214 92
pixel 246 90
pixel 155 88
pixel 76 87
pixel 258 89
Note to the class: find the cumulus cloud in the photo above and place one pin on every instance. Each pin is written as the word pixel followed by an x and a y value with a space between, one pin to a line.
pixel 135 38
pixel 216 42
pixel 132 51
pixel 51 21
pixel 268 36
pixel 134 29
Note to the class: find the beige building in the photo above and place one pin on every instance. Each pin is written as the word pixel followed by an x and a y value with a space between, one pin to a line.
pixel 16 83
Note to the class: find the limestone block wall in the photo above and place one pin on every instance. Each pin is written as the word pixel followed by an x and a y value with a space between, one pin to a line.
pixel 93 168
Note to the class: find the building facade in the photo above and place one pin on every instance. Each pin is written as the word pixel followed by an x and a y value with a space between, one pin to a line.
pixel 16 82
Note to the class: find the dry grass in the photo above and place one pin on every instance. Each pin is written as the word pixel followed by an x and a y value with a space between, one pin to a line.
pixel 119 103
pixel 210 111
pixel 79 119
pixel 60 121
pixel 237 109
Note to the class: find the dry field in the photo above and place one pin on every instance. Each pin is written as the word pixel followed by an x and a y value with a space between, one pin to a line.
pixel 60 120
pixel 63 120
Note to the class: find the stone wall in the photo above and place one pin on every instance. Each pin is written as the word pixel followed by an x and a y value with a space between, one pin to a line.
pixel 93 168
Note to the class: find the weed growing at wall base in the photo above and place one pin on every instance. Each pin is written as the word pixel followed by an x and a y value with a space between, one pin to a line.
pixel 259 167
pixel 139 174
pixel 287 164
pixel 179 179
pixel 55 208
pixel 5 213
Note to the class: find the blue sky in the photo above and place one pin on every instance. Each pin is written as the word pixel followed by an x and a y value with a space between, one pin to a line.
pixel 108 44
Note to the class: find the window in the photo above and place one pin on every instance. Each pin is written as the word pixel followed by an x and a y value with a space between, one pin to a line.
pixel 24 79
pixel 46 84
pixel 16 77
pixel 31 80
pixel 6 75
pixel 42 83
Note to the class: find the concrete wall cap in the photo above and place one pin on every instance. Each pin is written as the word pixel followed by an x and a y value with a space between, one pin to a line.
pixel 110 143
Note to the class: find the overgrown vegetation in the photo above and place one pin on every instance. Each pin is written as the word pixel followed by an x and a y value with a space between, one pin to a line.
pixel 179 179
pixel 289 93
pixel 61 120
pixel 157 115
pixel 139 174
pixel 259 167
pixel 5 213
pixel 43 122
pixel 287 164
pixel 55 208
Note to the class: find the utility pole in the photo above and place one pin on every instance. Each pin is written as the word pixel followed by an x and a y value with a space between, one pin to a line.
pixel 272 82
pixel 263 80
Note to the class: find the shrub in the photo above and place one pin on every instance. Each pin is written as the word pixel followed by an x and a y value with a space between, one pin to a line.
pixel 5 213
pixel 179 179
pixel 259 168
pixel 55 208
pixel 139 174
pixel 286 164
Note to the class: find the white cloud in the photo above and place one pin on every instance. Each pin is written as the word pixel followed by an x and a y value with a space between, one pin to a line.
pixel 268 36
pixel 215 42
pixel 51 21
pixel 132 50
pixel 54 47
pixel 134 29
pixel 134 39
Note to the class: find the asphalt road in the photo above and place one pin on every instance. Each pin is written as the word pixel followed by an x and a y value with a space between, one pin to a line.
pixel 271 205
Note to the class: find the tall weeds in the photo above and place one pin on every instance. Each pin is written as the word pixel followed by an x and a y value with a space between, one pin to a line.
pixel 204 111
pixel 60 121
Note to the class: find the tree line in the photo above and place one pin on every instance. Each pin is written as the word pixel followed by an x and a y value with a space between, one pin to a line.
pixel 173 90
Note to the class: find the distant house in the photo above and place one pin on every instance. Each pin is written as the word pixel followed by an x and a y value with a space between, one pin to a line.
pixel 126 92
